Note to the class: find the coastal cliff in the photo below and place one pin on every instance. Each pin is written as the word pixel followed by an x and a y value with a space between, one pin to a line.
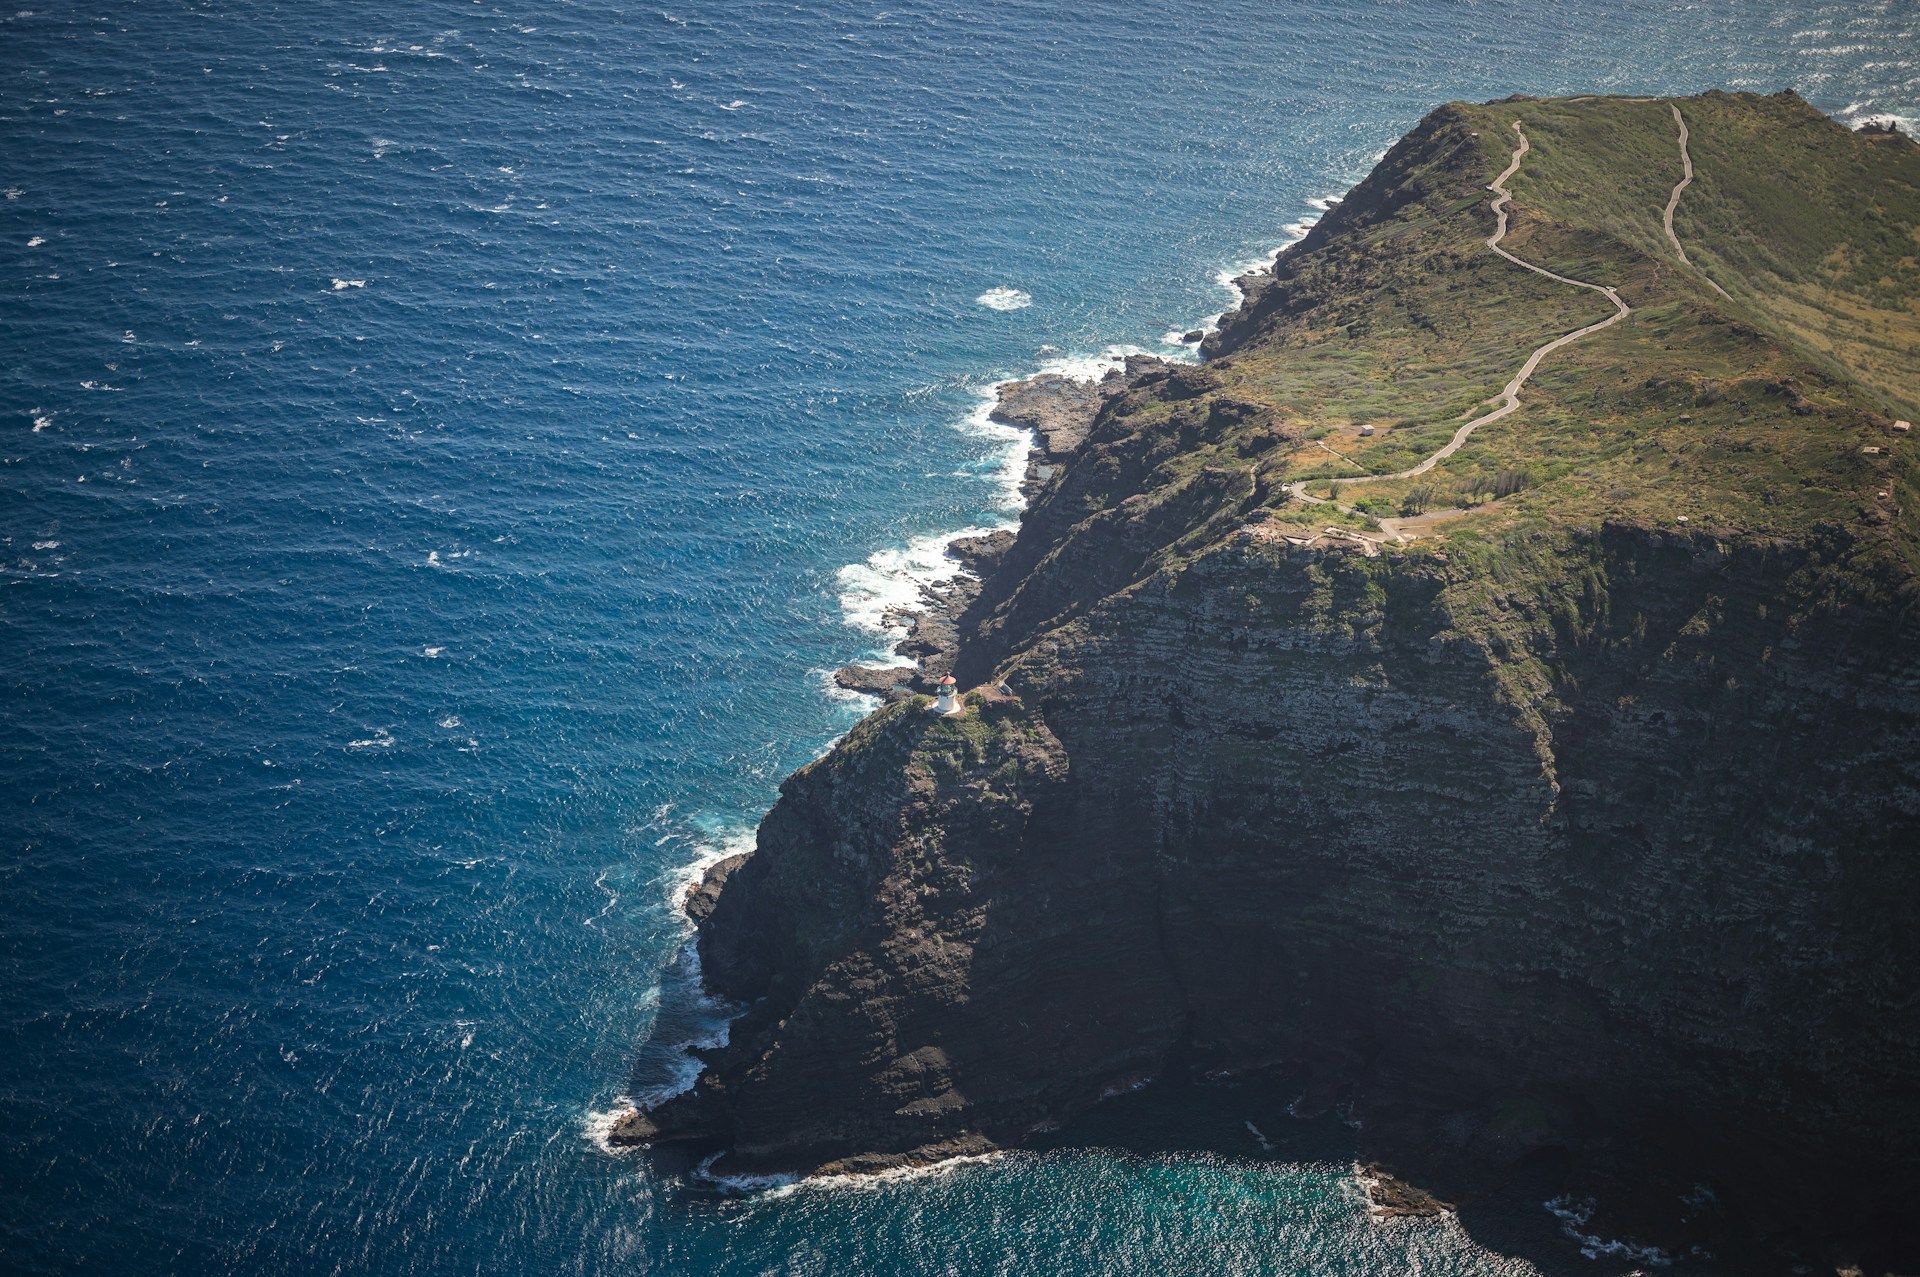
pixel 1562 795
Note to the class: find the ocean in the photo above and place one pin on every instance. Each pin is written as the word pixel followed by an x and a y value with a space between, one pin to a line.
pixel 445 447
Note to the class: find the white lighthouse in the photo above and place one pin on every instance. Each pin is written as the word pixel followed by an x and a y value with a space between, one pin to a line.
pixel 947 702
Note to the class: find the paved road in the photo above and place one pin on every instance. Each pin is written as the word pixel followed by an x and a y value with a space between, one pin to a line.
pixel 1673 200
pixel 1509 398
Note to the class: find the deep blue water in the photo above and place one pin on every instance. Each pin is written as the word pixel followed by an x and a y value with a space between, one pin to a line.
pixel 431 440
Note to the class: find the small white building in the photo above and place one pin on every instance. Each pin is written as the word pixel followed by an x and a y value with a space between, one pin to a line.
pixel 948 702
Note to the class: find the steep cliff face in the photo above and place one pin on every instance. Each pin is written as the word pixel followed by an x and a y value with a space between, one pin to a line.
pixel 1564 824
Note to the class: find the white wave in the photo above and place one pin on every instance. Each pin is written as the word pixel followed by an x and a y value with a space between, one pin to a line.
pixel 771 1185
pixel 779 1186
pixel 1117 1089
pixel 340 285
pixel 1574 1215
pixel 896 580
pixel 683 982
pixel 1004 299
pixel 1856 116
pixel 1228 277
pixel 732 843
pixel 41 421
pixel 431 652
pixel 734 105
pixel 596 1126
pixel 1323 202
pixel 847 695
pixel 1014 443
pixel 1259 1137
pixel 36 241
pixel 381 739
pixel 450 722
pixel 1091 368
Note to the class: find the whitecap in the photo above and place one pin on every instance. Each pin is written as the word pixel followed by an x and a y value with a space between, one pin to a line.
pixel 40 422
pixel 596 1126
pixel 450 722
pixel 776 1186
pixel 684 985
pixel 36 241
pixel 46 545
pixel 734 842
pixel 1855 118
pixel 381 739
pixel 896 580
pixel 1004 299
pixel 1092 368
pixel 1574 1214
pixel 1014 443
pixel 734 105
pixel 431 652
pixel 340 285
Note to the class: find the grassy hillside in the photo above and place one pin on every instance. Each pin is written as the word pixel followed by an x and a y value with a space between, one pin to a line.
pixel 1743 411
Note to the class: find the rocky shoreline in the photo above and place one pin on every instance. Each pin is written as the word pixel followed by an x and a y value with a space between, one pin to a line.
pixel 1057 411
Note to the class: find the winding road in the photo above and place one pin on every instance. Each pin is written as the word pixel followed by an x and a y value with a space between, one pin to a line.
pixel 1509 398
pixel 1673 202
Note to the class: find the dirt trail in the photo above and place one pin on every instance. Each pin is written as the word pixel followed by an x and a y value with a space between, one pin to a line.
pixel 1509 398
pixel 1673 201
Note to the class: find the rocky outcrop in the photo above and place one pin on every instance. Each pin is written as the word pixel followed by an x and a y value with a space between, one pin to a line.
pixel 1060 410
pixel 1358 817
pixel 1595 836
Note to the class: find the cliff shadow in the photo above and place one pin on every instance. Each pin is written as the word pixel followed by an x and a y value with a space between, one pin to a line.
pixel 1502 1210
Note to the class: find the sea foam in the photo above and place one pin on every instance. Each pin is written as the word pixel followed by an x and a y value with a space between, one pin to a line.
pixel 1004 299
pixel 896 580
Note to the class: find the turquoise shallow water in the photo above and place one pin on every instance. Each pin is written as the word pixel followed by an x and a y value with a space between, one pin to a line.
pixel 442 448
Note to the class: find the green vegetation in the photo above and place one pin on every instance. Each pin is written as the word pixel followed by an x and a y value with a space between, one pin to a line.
pixel 1744 412
pixel 1816 229
pixel 1747 413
